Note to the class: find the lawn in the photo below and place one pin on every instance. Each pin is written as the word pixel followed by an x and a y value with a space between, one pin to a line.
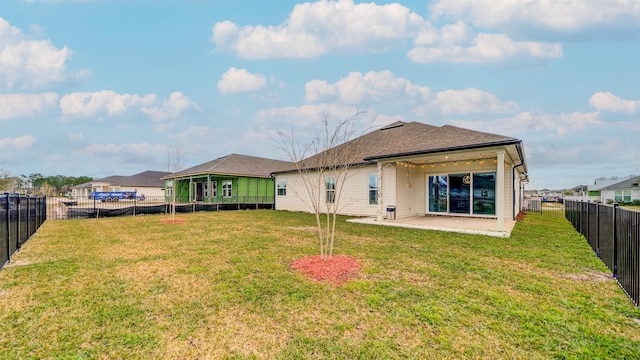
pixel 219 285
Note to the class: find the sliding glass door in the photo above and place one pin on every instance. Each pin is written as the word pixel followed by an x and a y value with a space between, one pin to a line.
pixel 466 193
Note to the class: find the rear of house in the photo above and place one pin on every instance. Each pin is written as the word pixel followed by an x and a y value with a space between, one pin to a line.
pixel 419 169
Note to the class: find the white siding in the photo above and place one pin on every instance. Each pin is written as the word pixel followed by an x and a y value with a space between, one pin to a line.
pixel 409 191
pixel 508 192
pixel 403 187
pixel 353 197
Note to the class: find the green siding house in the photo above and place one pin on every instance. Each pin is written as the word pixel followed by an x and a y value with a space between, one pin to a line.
pixel 232 179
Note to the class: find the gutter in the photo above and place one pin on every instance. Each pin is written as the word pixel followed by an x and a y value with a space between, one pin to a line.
pixel 454 148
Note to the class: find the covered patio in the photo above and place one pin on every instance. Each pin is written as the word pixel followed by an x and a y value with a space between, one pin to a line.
pixel 465 225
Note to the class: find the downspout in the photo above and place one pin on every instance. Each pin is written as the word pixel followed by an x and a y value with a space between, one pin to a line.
pixel 513 197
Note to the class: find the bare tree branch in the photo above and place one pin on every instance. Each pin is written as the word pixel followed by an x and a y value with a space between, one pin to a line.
pixel 333 153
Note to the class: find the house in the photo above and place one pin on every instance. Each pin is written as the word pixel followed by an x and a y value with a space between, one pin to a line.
pixel 232 179
pixel 147 183
pixel 595 190
pixel 624 191
pixel 416 169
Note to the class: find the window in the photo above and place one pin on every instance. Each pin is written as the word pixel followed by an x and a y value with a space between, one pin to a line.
pixel 373 189
pixel 214 189
pixel 206 189
pixel 226 188
pixel 169 186
pixel 623 196
pixel 282 188
pixel 330 185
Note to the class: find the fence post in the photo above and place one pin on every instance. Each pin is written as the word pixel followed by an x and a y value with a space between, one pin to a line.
pixel 615 240
pixel 8 237
pixel 17 199
pixel 28 216
pixel 598 229
pixel 588 221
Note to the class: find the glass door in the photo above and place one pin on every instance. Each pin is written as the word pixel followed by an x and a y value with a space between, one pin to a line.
pixel 460 193
pixel 438 186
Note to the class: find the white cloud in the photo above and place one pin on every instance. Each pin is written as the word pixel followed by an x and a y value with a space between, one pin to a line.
pixel 236 81
pixel 556 15
pixel 378 88
pixel 372 87
pixel 20 105
pixel 525 122
pixel 28 63
pixel 466 101
pixel 608 102
pixel 172 108
pixel 485 48
pixel 19 143
pixel 313 29
pixel 86 104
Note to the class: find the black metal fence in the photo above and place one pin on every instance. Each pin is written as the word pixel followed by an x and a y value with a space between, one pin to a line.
pixel 614 234
pixel 545 208
pixel 20 217
pixel 86 207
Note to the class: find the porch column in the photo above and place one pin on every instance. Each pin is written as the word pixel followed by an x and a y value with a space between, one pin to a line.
pixel 380 216
pixel 500 190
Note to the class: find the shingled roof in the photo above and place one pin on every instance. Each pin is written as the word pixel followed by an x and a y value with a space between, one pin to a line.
pixel 143 179
pixel 236 165
pixel 413 138
pixel 631 182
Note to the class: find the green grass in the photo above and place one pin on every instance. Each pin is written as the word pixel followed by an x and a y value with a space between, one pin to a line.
pixel 219 286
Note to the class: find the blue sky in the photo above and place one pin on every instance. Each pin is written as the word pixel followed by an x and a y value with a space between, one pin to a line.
pixel 98 88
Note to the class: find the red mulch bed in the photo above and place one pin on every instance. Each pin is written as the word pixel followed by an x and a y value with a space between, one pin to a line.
pixel 335 270
pixel 172 221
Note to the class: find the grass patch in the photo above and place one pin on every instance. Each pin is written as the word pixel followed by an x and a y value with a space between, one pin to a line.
pixel 220 286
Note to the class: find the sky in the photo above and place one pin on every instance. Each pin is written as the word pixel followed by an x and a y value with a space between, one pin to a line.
pixel 112 87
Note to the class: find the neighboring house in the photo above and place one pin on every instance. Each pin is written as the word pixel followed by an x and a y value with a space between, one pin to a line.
pixel 581 193
pixel 237 179
pixel 624 191
pixel 422 169
pixel 147 183
pixel 600 183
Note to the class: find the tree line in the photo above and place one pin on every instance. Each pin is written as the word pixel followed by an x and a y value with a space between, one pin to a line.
pixel 38 184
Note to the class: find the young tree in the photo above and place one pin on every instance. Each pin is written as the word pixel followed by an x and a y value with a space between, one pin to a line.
pixel 175 162
pixel 333 153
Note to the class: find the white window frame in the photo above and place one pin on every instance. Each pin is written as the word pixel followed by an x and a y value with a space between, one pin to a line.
pixel 330 191
pixel 281 188
pixel 227 189
pixel 169 186
pixel 373 189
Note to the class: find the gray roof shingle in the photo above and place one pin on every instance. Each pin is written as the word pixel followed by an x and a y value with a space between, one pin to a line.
pixel 400 138
pixel 144 179
pixel 630 183
pixel 237 165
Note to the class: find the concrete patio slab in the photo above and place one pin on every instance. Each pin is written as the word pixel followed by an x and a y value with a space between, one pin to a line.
pixel 465 225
